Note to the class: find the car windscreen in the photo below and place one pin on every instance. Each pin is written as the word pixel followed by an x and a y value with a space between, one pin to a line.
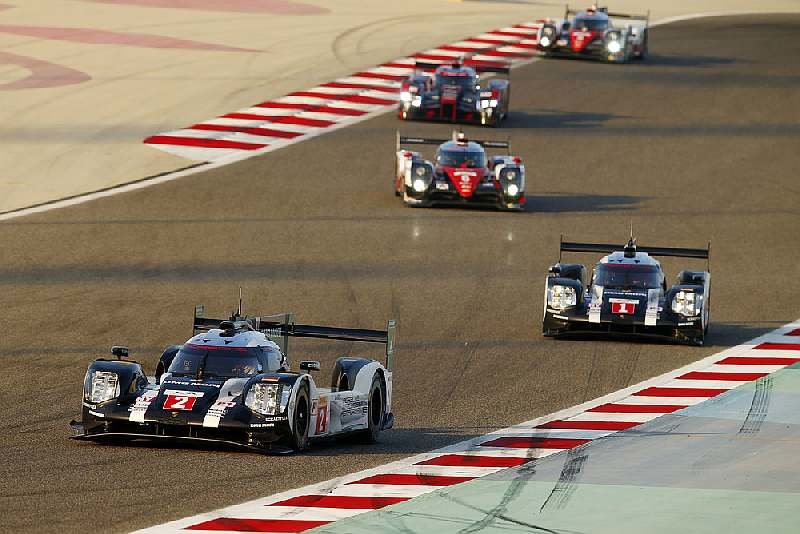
pixel 591 25
pixel 625 276
pixel 461 158
pixel 216 361
pixel 464 82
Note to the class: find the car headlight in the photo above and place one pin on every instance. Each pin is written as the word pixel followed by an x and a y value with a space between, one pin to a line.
pixel 264 398
pixel 513 190
pixel 614 47
pixel 417 102
pixel 545 40
pixel 687 303
pixel 561 297
pixel 419 185
pixel 405 96
pixel 102 386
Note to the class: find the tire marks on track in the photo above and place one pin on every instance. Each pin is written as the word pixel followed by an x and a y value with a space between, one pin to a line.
pixel 759 407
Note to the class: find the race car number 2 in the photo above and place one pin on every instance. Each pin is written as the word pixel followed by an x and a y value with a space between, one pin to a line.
pixel 181 400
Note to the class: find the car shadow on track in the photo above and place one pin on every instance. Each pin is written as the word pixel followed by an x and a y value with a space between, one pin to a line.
pixel 720 335
pixel 547 119
pixel 658 60
pixel 576 203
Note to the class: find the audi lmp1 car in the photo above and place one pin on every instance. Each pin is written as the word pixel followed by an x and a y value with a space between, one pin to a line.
pixel 231 383
pixel 454 93
pixel 593 34
pixel 627 294
pixel 461 174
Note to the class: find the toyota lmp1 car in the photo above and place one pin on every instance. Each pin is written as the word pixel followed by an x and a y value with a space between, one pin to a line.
pixel 231 383
pixel 454 93
pixel 461 174
pixel 593 34
pixel 627 294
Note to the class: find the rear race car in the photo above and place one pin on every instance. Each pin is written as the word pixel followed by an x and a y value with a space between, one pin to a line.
pixel 461 174
pixel 231 383
pixel 627 295
pixel 595 33
pixel 454 92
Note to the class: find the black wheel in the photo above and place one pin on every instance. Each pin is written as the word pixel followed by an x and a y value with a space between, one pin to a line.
pixel 300 420
pixel 376 409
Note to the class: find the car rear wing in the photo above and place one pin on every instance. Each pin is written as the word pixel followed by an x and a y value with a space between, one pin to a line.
pixel 607 248
pixel 405 140
pixel 480 66
pixel 282 327
pixel 569 11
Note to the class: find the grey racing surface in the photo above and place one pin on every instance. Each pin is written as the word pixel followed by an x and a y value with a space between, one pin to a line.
pixel 699 142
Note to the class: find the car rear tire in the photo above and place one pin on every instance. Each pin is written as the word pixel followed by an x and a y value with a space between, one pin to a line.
pixel 301 419
pixel 376 411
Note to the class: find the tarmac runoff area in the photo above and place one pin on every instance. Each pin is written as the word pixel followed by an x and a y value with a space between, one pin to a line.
pixel 726 465
pixel 84 82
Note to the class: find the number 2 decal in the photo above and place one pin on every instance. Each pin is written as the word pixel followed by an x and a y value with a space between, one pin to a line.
pixel 322 416
pixel 181 400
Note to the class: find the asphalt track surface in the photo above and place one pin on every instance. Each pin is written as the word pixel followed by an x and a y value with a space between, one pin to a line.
pixel 698 143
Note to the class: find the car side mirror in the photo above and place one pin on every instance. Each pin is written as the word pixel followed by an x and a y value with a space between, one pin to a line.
pixel 310 365
pixel 119 351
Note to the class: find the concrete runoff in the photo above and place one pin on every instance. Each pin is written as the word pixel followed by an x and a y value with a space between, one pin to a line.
pixel 696 470
pixel 697 143
pixel 100 94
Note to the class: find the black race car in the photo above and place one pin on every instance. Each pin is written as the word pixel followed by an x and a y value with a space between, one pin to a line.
pixel 231 383
pixel 454 92
pixel 462 174
pixel 592 33
pixel 627 294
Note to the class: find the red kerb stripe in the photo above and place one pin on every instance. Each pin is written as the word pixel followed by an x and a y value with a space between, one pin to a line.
pixel 317 108
pixel 757 360
pixel 356 99
pixel 512 33
pixel 498 53
pixel 527 442
pixel 371 87
pixel 707 375
pixel 679 392
pixel 257 525
pixel 636 408
pixel 462 48
pixel 778 346
pixel 200 142
pixel 470 460
pixel 416 480
pixel 590 425
pixel 267 132
pixel 341 501
pixel 380 76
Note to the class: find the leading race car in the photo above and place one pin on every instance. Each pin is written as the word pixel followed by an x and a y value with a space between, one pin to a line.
pixel 231 383
pixel 627 294
pixel 455 93
pixel 461 174
pixel 592 33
